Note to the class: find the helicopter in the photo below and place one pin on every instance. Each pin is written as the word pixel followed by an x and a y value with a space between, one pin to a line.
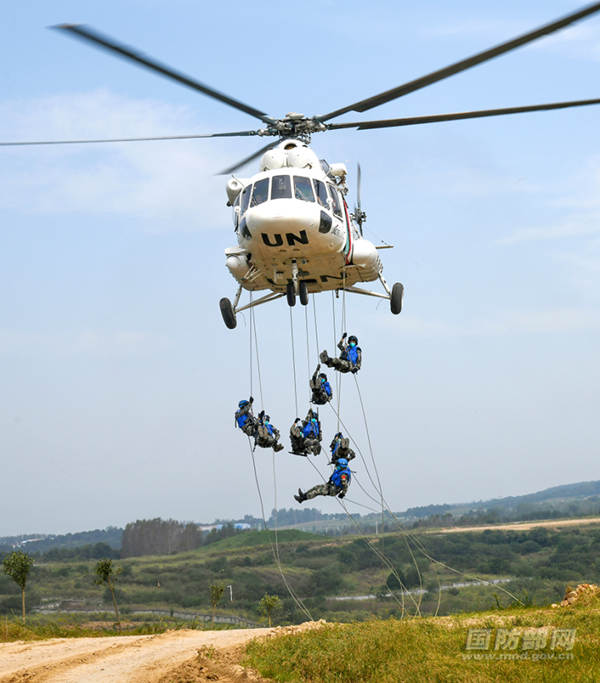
pixel 294 230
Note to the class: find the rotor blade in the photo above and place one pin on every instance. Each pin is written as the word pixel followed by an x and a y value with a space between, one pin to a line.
pixel 439 75
pixel 247 160
pixel 89 34
pixel 25 143
pixel 436 118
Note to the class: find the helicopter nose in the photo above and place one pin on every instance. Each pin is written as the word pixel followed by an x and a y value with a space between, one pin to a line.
pixel 282 216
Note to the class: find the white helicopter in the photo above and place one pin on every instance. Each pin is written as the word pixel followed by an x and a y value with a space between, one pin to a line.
pixel 295 233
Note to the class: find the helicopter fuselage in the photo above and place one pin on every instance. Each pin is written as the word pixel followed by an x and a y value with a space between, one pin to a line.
pixel 292 223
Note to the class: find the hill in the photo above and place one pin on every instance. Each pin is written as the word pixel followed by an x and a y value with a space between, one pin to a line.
pixel 568 500
pixel 342 578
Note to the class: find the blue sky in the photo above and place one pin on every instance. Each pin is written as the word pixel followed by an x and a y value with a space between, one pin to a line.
pixel 119 379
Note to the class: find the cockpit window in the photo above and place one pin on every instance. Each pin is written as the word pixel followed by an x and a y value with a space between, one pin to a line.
pixel 321 194
pixel 303 189
pixel 261 192
pixel 281 187
pixel 246 197
pixel 337 209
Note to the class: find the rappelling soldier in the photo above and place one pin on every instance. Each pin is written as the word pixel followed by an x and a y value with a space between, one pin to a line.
pixel 244 418
pixel 350 357
pixel 306 435
pixel 336 486
pixel 267 436
pixel 320 387
pixel 340 448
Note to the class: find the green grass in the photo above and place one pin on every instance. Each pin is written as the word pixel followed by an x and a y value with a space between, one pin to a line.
pixel 431 649
pixel 253 539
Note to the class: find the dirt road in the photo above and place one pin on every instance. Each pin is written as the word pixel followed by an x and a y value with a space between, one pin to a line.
pixel 135 659
pixel 522 526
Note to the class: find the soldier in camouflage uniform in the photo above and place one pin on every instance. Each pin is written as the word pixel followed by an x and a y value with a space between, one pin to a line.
pixel 350 357
pixel 267 436
pixel 320 388
pixel 336 486
pixel 340 448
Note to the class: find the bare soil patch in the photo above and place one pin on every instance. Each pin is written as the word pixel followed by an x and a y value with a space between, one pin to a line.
pixel 171 657
pixel 522 526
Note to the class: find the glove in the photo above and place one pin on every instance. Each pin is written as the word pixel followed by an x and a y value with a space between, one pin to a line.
pixel 261 414
pixel 251 399
pixel 344 335
pixel 342 494
pixel 318 367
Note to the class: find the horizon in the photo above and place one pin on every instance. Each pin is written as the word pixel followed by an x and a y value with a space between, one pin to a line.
pixel 226 520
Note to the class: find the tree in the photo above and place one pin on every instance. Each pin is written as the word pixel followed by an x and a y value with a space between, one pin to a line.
pixel 106 574
pixel 216 593
pixel 269 604
pixel 17 565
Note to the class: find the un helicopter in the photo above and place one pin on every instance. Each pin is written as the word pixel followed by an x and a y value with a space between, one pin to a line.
pixel 295 232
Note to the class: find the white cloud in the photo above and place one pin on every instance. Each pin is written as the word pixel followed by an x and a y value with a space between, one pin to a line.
pixel 581 40
pixel 171 184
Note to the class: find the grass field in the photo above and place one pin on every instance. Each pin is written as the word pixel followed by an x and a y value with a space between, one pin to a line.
pixel 526 644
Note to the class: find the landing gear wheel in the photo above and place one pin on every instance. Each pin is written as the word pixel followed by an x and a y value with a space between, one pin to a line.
pixel 396 298
pixel 228 314
pixel 303 292
pixel 290 292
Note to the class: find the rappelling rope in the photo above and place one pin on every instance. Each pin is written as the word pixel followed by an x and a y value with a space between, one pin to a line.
pixel 344 321
pixel 378 553
pixel 380 491
pixel 296 599
pixel 407 534
pixel 372 456
pixel 337 375
pixel 307 342
pixel 294 361
pixel 316 328
pixel 275 546
pixel 260 386
pixel 251 354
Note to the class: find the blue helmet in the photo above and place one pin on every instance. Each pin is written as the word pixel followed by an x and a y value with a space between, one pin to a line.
pixel 242 403
pixel 342 462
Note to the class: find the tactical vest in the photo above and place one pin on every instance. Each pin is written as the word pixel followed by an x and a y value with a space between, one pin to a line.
pixel 352 354
pixel 336 477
